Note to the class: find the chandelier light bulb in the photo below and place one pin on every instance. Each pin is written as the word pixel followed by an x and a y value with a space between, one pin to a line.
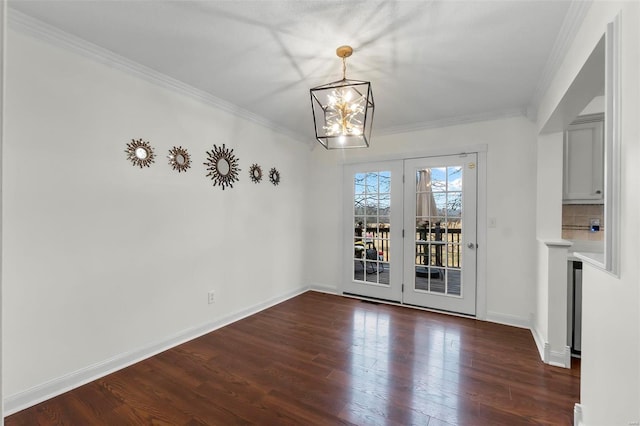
pixel 342 115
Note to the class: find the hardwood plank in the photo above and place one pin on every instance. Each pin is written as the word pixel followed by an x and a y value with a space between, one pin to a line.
pixel 331 360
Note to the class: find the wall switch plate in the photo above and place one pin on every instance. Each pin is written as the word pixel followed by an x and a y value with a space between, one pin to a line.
pixel 211 296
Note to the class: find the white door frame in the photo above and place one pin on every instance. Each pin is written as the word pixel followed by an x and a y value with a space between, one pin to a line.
pixel 3 57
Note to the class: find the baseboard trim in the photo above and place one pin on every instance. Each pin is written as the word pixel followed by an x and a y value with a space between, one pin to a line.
pixel 561 358
pixel 577 415
pixel 60 385
pixel 540 343
pixel 506 319
pixel 323 289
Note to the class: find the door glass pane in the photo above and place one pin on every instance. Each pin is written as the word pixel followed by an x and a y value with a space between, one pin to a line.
pixel 372 209
pixel 438 230
pixel 454 178
pixel 453 282
pixel 358 180
pixel 359 203
pixel 440 202
pixel 385 182
pixel 371 184
pixel 438 179
pixel 384 204
pixel 454 204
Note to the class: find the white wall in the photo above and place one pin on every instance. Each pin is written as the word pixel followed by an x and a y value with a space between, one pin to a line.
pixel 549 187
pixel 610 371
pixel 102 258
pixel 511 194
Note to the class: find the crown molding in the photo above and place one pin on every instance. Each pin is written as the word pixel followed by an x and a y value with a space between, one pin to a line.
pixel 570 25
pixel 28 25
pixel 453 121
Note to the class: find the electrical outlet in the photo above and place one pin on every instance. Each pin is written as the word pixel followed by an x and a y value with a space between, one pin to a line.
pixel 211 296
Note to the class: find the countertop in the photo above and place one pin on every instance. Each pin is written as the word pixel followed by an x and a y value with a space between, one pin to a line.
pixel 591 252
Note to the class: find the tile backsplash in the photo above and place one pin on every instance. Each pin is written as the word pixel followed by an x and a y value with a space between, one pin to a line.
pixel 576 221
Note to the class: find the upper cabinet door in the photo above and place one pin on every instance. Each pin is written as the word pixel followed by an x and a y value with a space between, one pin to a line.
pixel 584 163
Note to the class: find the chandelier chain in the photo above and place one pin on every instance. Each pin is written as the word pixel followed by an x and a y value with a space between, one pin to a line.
pixel 344 68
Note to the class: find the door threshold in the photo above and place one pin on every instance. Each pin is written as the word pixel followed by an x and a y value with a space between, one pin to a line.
pixel 439 311
pixel 370 299
pixel 406 305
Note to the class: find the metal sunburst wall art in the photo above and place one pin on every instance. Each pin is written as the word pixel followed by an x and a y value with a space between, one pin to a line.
pixel 179 159
pixel 222 165
pixel 255 173
pixel 274 176
pixel 140 153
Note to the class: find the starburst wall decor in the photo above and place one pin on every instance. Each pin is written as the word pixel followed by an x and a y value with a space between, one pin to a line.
pixel 140 153
pixel 274 176
pixel 222 165
pixel 179 159
pixel 255 173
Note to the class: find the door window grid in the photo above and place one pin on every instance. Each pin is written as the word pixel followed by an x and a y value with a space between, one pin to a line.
pixel 372 208
pixel 438 231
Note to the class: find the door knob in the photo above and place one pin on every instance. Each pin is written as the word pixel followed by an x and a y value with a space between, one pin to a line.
pixel 471 245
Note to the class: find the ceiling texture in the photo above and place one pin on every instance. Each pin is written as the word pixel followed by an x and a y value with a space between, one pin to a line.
pixel 430 63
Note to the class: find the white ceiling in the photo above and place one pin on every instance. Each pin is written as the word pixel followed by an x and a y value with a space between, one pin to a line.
pixel 429 62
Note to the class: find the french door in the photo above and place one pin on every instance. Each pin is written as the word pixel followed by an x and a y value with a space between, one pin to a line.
pixel 440 242
pixel 373 230
pixel 411 232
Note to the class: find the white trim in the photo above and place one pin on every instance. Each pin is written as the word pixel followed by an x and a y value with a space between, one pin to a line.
pixel 612 147
pixel 577 415
pixel 31 26
pixel 560 358
pixel 453 121
pixel 319 288
pixel 507 319
pixel 3 56
pixel 57 386
pixel 557 243
pixel 570 25
pixel 441 152
pixel 481 236
pixel 537 338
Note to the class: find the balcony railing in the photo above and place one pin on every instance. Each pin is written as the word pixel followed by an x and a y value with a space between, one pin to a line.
pixel 436 246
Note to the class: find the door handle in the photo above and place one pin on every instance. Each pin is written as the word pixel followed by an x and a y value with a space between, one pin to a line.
pixel 471 245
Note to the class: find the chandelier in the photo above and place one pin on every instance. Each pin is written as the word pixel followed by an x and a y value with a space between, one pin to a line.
pixel 343 110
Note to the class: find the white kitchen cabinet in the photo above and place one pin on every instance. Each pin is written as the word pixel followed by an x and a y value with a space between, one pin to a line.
pixel 584 161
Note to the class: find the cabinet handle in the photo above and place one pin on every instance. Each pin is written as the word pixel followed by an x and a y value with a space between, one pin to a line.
pixel 598 192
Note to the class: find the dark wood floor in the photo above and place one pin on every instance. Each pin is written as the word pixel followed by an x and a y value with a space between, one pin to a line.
pixel 319 359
